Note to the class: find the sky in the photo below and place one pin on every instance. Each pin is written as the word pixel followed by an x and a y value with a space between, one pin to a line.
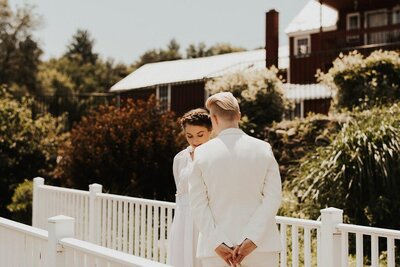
pixel 125 29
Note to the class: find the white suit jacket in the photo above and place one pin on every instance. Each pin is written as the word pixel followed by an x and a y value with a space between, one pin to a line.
pixel 235 192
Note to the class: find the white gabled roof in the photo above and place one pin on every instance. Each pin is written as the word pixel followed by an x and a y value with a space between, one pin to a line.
pixel 185 70
pixel 299 92
pixel 309 19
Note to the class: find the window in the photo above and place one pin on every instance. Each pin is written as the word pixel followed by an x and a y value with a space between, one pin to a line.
pixel 396 15
pixel 164 97
pixel 353 21
pixel 302 46
pixel 376 18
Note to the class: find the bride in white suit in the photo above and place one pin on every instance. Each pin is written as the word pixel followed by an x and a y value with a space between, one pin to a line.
pixel 182 240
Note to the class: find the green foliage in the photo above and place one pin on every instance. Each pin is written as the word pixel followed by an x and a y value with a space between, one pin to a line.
pixel 201 50
pixel 158 55
pixel 21 205
pixel 28 147
pixel 78 81
pixel 19 52
pixel 358 172
pixel 360 81
pixel 292 140
pixel 259 93
pixel 129 150
pixel 80 70
pixel 81 48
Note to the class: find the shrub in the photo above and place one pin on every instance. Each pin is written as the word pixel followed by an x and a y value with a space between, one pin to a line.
pixel 292 140
pixel 259 94
pixel 28 147
pixel 129 150
pixel 358 172
pixel 21 205
pixel 370 81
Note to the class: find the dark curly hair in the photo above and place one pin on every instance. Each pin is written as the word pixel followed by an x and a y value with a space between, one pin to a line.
pixel 198 117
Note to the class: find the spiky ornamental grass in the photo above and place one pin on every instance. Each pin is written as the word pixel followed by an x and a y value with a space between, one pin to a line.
pixel 358 172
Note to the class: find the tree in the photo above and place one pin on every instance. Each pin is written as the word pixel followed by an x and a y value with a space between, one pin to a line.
pixel 223 48
pixel 158 55
pixel 80 49
pixel 19 52
pixel 194 52
pixel 129 150
pixel 201 50
pixel 28 147
pixel 360 81
pixel 259 93
pixel 79 80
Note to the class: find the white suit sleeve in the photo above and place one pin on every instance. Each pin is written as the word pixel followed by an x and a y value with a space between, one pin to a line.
pixel 201 211
pixel 271 200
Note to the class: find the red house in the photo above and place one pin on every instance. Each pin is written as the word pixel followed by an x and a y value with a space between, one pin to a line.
pixel 317 35
pixel 179 85
pixel 323 29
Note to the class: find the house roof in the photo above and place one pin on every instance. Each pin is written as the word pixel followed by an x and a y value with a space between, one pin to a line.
pixel 185 70
pixel 309 19
pixel 299 92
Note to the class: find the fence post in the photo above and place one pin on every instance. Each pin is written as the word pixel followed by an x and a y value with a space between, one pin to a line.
pixel 330 254
pixel 59 227
pixel 94 217
pixel 38 181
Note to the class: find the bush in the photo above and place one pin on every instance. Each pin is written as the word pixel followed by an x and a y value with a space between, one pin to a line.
pixel 129 150
pixel 259 94
pixel 292 140
pixel 21 205
pixel 364 81
pixel 28 147
pixel 358 172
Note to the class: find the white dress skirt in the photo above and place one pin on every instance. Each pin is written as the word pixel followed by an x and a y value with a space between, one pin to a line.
pixel 182 239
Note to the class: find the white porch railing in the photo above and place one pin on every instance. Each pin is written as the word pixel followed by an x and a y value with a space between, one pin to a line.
pixel 140 227
pixel 21 245
pixel 26 246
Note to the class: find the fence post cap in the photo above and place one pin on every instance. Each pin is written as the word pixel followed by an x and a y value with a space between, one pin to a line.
pixel 38 180
pixel 96 187
pixel 331 210
pixel 60 219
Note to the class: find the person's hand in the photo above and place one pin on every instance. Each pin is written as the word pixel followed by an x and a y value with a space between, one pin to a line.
pixel 226 253
pixel 242 251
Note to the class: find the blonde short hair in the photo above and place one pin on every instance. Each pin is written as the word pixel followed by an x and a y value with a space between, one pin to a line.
pixel 224 105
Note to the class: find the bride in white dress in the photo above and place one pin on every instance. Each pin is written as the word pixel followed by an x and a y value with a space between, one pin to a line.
pixel 182 240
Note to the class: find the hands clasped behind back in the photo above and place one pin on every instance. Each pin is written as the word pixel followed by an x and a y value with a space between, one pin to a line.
pixel 235 255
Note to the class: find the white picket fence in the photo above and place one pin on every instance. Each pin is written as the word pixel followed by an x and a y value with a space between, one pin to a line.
pixel 26 246
pixel 140 227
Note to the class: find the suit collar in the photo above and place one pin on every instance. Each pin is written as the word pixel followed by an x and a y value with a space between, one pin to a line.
pixel 231 131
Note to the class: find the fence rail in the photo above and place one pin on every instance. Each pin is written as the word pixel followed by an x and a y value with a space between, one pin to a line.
pixel 21 245
pixel 374 234
pixel 140 227
pixel 26 246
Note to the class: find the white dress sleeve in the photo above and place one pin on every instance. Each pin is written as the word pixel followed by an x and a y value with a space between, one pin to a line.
pixel 175 169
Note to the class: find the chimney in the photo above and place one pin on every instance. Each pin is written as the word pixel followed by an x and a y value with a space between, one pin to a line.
pixel 272 38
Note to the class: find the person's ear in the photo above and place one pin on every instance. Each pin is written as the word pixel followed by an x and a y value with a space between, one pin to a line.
pixel 239 115
pixel 215 119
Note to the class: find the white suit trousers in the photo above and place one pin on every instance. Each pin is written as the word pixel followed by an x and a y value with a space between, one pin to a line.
pixel 256 259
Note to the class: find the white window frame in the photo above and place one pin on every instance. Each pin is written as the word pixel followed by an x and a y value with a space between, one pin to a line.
pixel 396 8
pixel 168 96
pixel 366 13
pixel 348 16
pixel 300 37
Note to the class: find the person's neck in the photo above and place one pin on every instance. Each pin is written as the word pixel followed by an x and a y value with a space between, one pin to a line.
pixel 227 126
